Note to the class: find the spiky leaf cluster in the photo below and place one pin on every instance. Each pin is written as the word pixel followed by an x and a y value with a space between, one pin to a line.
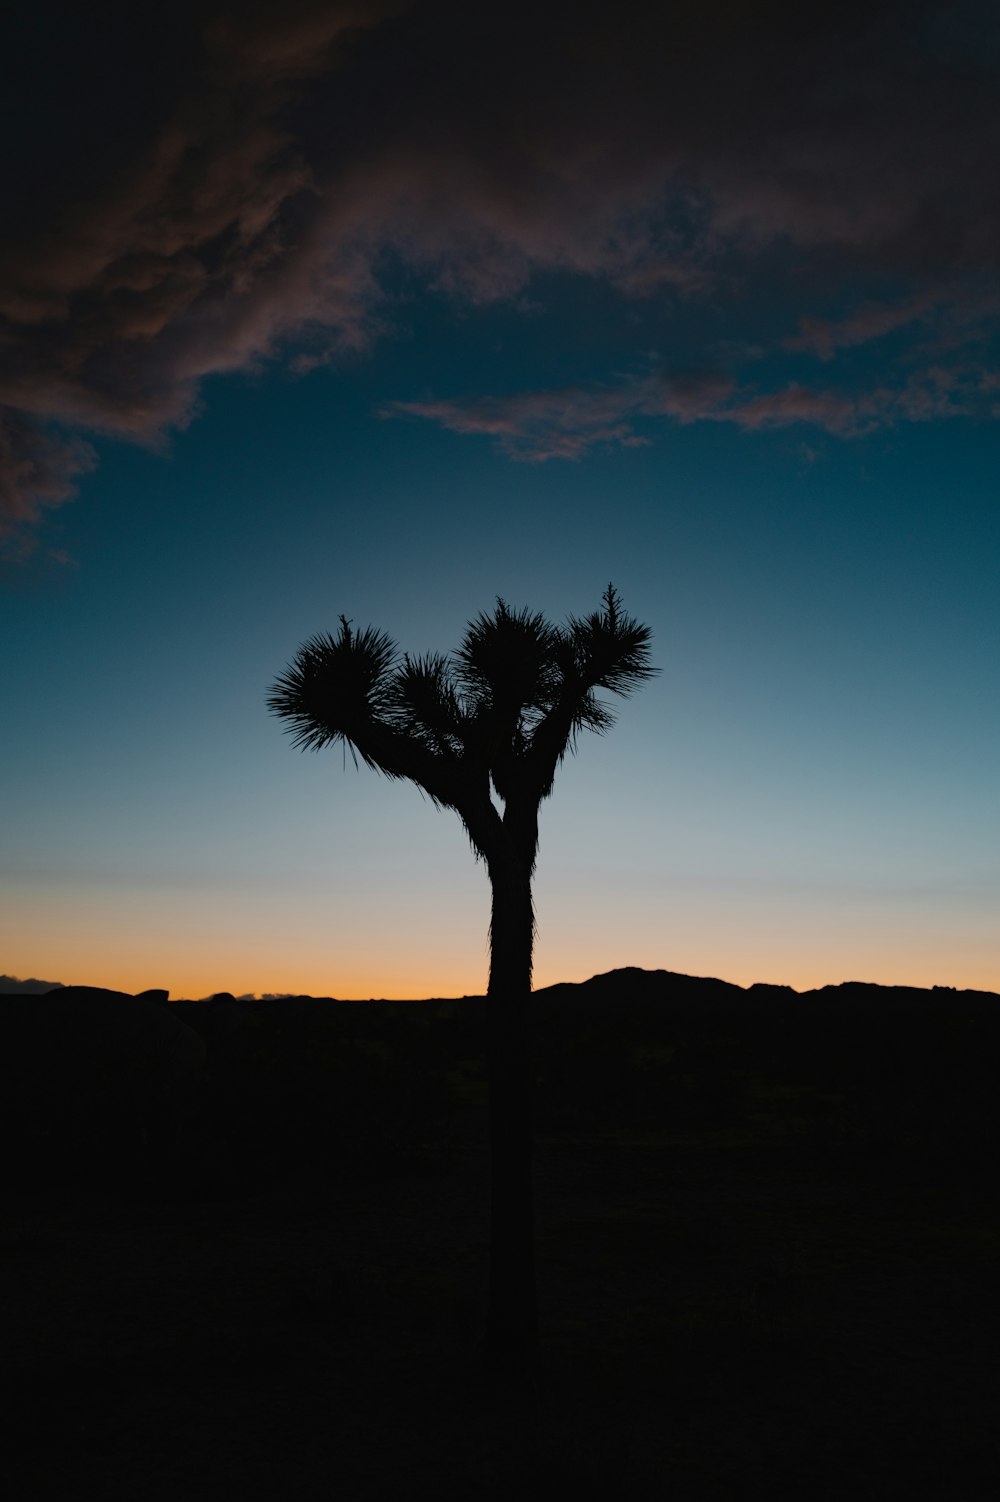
pixel 502 711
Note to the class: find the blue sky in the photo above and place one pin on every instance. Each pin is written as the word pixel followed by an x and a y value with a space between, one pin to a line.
pixel 737 398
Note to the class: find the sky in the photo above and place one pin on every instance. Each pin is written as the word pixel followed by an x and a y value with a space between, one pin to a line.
pixel 390 309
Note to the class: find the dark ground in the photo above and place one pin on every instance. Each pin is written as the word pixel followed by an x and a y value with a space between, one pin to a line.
pixel 721 1320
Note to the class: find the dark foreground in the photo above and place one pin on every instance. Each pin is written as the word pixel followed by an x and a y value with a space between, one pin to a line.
pixel 758 1290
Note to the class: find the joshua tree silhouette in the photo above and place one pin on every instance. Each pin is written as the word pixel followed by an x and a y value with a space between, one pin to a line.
pixel 496 717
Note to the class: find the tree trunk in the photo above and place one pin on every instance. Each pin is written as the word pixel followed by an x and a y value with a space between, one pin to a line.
pixel 512 1321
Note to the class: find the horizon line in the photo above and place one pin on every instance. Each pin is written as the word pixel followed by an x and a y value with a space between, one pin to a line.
pixel 36 984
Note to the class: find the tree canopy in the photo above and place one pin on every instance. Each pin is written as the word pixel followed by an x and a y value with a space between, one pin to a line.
pixel 496 716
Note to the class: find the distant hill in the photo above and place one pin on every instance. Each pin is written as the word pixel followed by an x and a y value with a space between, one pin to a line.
pixel 11 986
pixel 652 992
pixel 666 984
pixel 641 992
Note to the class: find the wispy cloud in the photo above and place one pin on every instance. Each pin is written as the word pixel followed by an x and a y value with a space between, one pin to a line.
pixel 539 425
pixel 824 337
pixel 565 424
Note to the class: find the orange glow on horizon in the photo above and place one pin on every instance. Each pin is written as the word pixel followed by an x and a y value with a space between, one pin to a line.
pixel 184 982
pixel 192 950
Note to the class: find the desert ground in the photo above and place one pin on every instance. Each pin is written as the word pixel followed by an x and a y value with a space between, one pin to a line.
pixel 743 1296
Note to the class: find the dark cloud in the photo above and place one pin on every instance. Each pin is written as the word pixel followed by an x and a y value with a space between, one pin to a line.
pixel 37 471
pixel 205 187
